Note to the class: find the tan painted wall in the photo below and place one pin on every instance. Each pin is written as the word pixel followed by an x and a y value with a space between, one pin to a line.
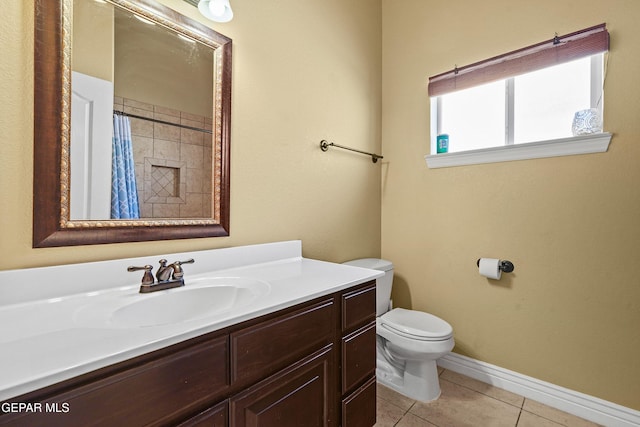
pixel 302 71
pixel 93 39
pixel 570 313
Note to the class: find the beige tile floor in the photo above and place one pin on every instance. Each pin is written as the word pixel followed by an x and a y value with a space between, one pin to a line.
pixel 467 402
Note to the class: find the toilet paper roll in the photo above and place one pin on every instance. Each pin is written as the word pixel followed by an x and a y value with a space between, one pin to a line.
pixel 490 267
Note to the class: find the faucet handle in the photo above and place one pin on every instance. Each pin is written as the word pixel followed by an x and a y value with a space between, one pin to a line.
pixel 147 278
pixel 177 269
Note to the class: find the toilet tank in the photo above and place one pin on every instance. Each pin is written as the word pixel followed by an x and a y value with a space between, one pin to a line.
pixel 383 284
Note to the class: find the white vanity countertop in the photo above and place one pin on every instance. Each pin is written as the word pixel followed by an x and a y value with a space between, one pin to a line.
pixel 45 339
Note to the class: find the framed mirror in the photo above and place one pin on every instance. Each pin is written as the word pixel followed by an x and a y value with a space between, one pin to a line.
pixel 132 116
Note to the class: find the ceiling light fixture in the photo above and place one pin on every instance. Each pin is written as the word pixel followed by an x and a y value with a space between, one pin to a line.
pixel 216 10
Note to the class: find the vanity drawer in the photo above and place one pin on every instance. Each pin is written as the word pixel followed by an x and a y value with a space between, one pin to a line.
pixel 359 306
pixel 358 357
pixel 262 349
pixel 154 393
pixel 359 409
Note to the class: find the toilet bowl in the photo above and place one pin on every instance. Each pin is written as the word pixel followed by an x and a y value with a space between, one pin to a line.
pixel 408 342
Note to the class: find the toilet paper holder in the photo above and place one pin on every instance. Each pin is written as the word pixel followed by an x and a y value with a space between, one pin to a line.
pixel 505 266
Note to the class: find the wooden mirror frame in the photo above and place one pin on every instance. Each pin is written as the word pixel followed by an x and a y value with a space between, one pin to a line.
pixel 52 123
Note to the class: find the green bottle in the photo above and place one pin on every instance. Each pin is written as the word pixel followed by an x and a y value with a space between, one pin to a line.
pixel 442 143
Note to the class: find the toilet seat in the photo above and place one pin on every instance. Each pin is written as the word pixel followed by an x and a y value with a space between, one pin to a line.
pixel 416 325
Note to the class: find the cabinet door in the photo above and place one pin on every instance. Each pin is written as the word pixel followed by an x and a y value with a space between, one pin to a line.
pixel 301 395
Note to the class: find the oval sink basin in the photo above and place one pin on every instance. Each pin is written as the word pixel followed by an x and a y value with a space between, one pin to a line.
pixel 199 298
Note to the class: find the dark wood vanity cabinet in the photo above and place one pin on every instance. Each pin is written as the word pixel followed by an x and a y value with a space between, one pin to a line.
pixel 312 364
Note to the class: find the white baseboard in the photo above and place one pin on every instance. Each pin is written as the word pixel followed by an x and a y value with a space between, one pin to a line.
pixel 582 405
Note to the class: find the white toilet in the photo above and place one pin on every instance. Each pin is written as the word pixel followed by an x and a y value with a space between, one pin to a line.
pixel 408 341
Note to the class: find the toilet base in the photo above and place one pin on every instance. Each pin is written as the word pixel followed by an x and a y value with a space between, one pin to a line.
pixel 419 380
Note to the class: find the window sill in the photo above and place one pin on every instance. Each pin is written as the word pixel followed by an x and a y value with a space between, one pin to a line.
pixel 584 144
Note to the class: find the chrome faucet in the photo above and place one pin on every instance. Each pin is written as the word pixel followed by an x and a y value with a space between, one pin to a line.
pixel 168 276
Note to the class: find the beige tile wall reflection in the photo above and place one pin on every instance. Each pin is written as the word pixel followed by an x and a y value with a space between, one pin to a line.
pixel 186 152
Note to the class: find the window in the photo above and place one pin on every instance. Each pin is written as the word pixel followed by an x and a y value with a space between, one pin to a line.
pixel 536 106
pixel 523 97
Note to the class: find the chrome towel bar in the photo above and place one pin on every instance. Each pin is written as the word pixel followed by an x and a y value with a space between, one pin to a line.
pixel 324 146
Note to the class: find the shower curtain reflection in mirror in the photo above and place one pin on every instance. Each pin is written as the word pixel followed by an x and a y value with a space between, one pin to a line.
pixel 124 193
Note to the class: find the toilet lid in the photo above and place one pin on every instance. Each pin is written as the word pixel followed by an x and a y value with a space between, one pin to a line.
pixel 416 324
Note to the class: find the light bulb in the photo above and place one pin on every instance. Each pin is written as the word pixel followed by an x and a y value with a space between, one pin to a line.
pixel 216 10
pixel 216 7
